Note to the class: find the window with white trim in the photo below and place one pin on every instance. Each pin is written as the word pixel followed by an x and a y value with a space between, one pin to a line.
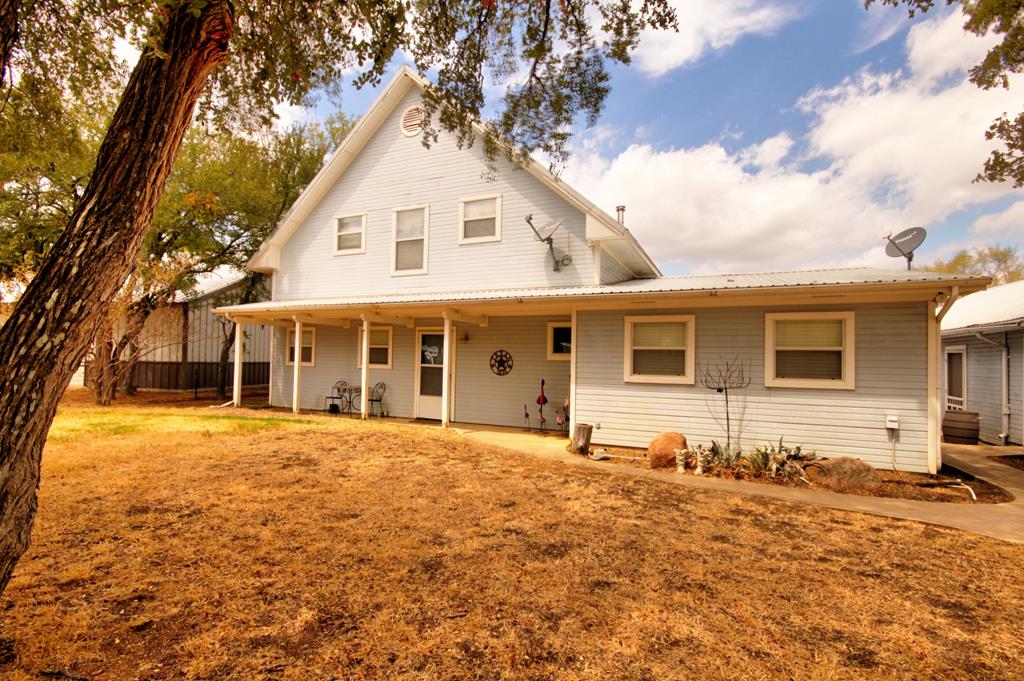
pixel 480 220
pixel 410 241
pixel 560 340
pixel 308 351
pixel 660 349
pixel 380 347
pixel 809 350
pixel 350 230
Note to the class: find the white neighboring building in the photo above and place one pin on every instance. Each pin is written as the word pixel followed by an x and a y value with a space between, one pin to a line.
pixel 983 349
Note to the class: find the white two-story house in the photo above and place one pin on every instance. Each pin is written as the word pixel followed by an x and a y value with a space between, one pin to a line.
pixel 444 268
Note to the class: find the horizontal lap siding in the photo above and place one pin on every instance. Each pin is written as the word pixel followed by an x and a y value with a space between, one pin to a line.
pixel 1016 343
pixel 984 385
pixel 394 171
pixel 612 271
pixel 484 397
pixel 891 373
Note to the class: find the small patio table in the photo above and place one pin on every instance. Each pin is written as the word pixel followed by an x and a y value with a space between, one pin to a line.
pixel 345 397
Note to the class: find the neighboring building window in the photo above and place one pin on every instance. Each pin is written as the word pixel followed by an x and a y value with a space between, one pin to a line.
pixel 480 220
pixel 351 231
pixel 411 240
pixel 809 350
pixel 308 351
pixel 560 340
pixel 660 349
pixel 380 347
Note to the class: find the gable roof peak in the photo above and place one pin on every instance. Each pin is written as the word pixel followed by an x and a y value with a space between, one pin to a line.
pixel 601 227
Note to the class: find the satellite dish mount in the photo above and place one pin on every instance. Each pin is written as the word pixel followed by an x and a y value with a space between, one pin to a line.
pixel 547 237
pixel 905 243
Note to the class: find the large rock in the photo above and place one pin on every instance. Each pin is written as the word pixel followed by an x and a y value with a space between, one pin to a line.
pixel 661 453
pixel 842 474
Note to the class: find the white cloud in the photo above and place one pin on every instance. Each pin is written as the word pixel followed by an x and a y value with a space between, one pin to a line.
pixel 707 25
pixel 879 23
pixel 889 151
pixel 1009 222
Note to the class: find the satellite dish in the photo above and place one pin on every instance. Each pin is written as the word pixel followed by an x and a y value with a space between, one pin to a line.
pixel 905 243
pixel 546 235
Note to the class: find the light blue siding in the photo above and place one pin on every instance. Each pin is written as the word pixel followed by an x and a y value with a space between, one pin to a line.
pixel 612 271
pixel 891 378
pixel 394 171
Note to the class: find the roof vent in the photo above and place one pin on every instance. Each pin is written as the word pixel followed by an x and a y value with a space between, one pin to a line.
pixel 412 121
pixel 620 213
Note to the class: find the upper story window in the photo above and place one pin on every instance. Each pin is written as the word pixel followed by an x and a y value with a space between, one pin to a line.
pixel 809 350
pixel 351 231
pixel 411 226
pixel 480 220
pixel 308 349
pixel 660 349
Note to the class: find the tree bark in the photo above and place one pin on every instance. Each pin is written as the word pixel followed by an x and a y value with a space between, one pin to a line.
pixel 9 32
pixel 67 300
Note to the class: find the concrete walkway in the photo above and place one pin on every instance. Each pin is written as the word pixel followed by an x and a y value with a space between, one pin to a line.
pixel 1001 521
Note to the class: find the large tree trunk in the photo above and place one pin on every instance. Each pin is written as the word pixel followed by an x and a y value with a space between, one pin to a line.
pixel 8 33
pixel 60 311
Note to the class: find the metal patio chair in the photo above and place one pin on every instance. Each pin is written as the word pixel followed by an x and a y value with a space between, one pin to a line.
pixel 377 397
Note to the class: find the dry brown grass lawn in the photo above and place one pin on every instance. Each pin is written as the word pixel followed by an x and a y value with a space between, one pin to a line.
pixel 185 543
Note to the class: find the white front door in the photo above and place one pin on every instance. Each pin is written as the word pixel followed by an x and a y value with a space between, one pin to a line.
pixel 429 373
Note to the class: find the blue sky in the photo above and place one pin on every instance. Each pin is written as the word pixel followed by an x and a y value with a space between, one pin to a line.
pixel 776 134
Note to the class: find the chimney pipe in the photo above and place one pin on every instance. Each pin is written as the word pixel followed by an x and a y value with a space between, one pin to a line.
pixel 620 212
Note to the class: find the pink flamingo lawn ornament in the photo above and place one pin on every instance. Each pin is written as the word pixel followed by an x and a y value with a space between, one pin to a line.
pixel 542 399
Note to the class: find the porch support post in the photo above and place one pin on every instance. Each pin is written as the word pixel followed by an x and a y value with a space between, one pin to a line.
pixel 297 375
pixel 572 376
pixel 446 369
pixel 364 375
pixel 236 383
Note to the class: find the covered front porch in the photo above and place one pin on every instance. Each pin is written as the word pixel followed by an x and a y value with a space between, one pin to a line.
pixel 426 362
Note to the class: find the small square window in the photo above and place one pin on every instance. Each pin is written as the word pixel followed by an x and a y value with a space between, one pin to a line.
pixel 380 347
pixel 351 231
pixel 308 349
pixel 559 340
pixel 480 220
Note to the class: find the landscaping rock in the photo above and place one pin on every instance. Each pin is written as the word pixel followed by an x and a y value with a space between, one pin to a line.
pixel 843 473
pixel 661 453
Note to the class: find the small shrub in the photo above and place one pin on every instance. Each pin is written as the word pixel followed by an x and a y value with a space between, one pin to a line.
pixel 778 462
pixel 786 463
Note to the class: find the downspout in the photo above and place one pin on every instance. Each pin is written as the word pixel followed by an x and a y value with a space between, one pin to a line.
pixel 934 383
pixel 1005 366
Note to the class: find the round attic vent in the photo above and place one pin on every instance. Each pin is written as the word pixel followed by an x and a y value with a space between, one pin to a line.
pixel 412 121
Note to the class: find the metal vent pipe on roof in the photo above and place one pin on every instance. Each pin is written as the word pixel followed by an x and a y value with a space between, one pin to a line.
pixel 620 213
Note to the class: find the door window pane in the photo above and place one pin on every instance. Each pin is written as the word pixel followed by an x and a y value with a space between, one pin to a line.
pixel 430 380
pixel 432 348
pixel 955 374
